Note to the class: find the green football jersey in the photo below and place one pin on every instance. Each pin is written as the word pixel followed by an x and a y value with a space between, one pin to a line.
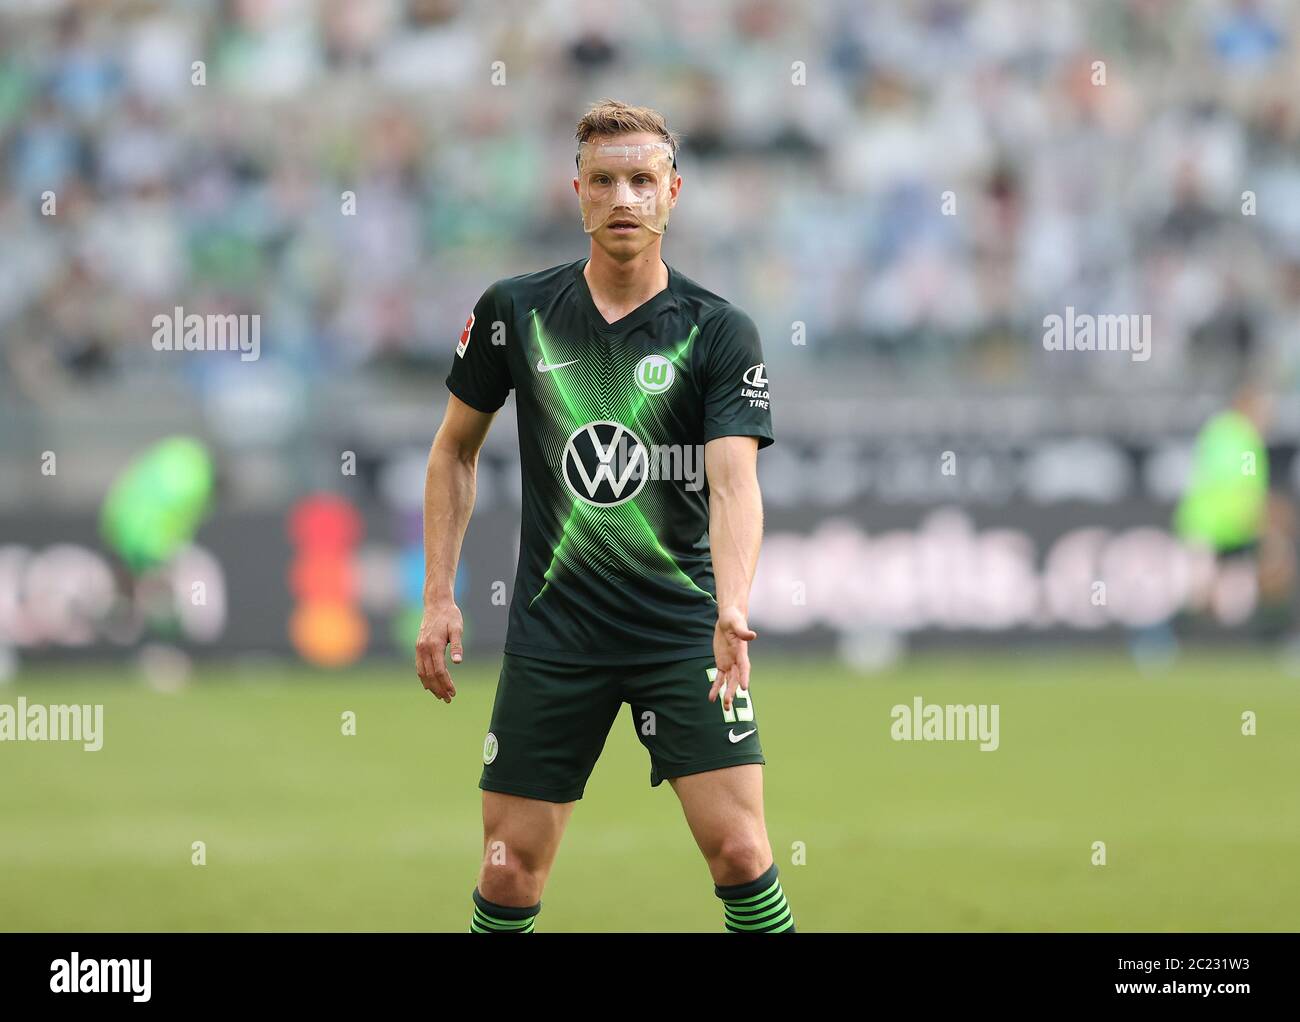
pixel 614 562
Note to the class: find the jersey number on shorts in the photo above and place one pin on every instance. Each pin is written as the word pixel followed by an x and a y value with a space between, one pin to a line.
pixel 737 712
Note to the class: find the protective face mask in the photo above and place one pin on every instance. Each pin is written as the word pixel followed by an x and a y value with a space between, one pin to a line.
pixel 632 180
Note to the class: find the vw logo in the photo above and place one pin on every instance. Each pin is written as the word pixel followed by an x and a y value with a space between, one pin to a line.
pixel 605 464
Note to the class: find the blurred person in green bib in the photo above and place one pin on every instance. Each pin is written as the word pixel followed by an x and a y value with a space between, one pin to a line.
pixel 1229 509
pixel 149 518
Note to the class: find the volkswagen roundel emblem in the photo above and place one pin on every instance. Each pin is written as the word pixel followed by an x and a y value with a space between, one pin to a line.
pixel 605 463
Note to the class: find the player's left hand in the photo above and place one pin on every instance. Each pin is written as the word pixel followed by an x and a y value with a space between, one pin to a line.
pixel 731 638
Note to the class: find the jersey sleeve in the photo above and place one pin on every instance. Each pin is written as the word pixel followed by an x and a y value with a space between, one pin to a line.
pixel 736 399
pixel 480 375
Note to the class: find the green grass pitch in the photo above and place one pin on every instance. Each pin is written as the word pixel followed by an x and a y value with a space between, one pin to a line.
pixel 308 829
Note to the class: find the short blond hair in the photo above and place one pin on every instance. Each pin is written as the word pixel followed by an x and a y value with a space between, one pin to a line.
pixel 610 117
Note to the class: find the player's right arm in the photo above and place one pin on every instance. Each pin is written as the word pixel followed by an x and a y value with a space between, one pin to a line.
pixel 479 382
pixel 449 485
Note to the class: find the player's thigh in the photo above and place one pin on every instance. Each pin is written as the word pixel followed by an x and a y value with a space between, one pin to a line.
pixel 521 837
pixel 523 831
pixel 724 810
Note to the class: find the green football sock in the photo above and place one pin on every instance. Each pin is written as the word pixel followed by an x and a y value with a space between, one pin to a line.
pixel 758 906
pixel 489 917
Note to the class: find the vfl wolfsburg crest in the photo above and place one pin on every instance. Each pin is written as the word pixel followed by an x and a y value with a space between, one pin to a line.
pixel 605 463
pixel 654 374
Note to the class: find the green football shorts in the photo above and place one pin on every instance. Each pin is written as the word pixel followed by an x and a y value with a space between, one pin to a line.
pixel 550 721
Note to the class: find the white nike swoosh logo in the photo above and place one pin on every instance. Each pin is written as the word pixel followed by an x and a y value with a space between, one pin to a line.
pixel 542 367
pixel 731 733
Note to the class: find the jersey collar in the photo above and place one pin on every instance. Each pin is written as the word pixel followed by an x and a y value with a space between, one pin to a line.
pixel 633 319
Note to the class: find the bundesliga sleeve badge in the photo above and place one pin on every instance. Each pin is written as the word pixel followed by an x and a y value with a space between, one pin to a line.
pixel 464 337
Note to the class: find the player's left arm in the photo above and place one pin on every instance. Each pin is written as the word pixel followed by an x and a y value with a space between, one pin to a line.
pixel 735 534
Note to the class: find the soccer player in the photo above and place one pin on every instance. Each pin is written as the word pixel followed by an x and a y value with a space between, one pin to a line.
pixel 635 559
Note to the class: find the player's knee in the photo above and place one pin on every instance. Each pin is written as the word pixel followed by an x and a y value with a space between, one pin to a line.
pixel 740 858
pixel 511 880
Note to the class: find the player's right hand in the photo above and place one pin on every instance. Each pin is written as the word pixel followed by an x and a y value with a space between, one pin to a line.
pixel 442 627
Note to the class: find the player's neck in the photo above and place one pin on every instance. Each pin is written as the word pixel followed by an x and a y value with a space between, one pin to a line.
pixel 619 287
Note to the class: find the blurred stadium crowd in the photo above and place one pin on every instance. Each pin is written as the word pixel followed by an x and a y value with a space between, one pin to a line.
pixel 819 140
pixel 898 193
